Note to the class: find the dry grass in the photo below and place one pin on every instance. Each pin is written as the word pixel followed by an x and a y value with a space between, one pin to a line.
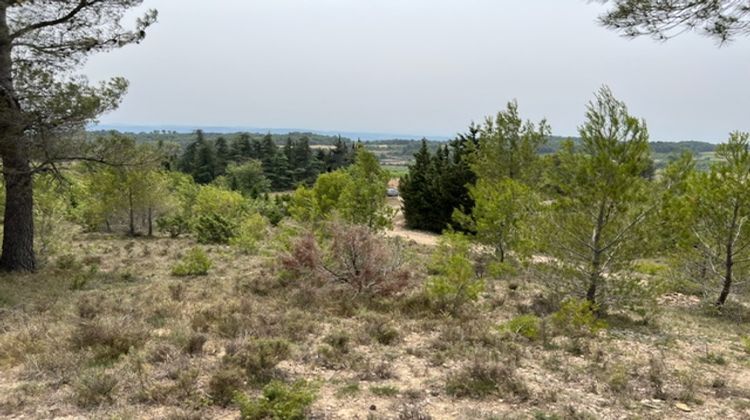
pixel 110 333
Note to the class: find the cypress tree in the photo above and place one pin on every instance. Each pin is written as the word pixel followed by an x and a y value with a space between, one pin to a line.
pixel 223 155
pixel 205 166
pixel 417 192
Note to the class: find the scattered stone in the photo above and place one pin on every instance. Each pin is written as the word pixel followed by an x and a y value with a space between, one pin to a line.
pixel 682 407
pixel 373 408
pixel 655 404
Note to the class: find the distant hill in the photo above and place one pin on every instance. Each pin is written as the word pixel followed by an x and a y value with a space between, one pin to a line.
pixel 666 147
pixel 184 129
pixel 390 151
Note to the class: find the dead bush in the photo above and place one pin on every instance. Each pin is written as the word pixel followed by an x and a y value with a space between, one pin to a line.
pixel 303 260
pixel 368 263
pixel 354 256
pixel 224 384
pixel 369 371
pixel 94 387
pixel 382 330
pixel 336 352
pixel 258 358
pixel 487 376
pixel 90 306
pixel 194 344
pixel 109 337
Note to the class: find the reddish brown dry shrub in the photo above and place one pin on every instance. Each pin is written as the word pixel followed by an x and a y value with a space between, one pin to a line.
pixel 354 256
pixel 303 259
pixel 368 263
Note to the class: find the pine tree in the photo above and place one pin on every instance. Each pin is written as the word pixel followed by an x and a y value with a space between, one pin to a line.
pixel 241 148
pixel 437 185
pixel 186 162
pixel 289 150
pixel 301 166
pixel 417 192
pixel 597 222
pixel 505 164
pixel 341 155
pixel 278 173
pixel 223 155
pixel 715 209
pixel 205 164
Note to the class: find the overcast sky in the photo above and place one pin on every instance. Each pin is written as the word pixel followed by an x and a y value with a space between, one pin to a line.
pixel 421 67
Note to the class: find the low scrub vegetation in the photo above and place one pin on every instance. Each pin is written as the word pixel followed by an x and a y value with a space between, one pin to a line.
pixel 308 306
pixel 194 263
pixel 278 401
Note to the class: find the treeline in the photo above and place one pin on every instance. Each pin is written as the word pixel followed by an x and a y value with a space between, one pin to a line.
pixel 596 206
pixel 555 143
pixel 257 165
pixel 183 139
pixel 141 197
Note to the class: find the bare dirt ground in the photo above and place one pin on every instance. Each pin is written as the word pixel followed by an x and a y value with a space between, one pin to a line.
pixel 400 230
pixel 387 359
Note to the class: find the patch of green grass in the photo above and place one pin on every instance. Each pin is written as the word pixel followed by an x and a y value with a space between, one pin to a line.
pixel 348 390
pixel 195 263
pixel 714 359
pixel 529 326
pixel 649 267
pixel 384 391
pixel 745 342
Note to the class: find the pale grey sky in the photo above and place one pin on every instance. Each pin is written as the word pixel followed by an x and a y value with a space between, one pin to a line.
pixel 423 67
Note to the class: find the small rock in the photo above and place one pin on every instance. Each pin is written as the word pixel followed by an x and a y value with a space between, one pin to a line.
pixel 373 408
pixel 683 407
pixel 655 404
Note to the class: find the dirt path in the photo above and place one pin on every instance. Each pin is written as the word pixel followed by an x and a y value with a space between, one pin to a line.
pixel 400 230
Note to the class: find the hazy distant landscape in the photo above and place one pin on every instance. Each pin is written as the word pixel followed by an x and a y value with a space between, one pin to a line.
pixel 439 251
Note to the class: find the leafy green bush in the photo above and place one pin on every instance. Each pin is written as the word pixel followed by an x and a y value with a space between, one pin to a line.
pixel 745 341
pixel 175 225
pixel 456 282
pixel 274 210
pixel 529 326
pixel 279 401
pixel 250 234
pixel 576 318
pixel 194 263
pixel 213 229
pixel 211 199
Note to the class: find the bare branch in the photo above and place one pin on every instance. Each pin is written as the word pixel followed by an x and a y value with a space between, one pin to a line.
pixel 82 4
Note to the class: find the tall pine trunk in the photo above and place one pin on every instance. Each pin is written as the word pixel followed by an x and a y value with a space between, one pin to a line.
pixel 131 213
pixel 729 259
pixel 18 224
pixel 595 272
pixel 728 268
